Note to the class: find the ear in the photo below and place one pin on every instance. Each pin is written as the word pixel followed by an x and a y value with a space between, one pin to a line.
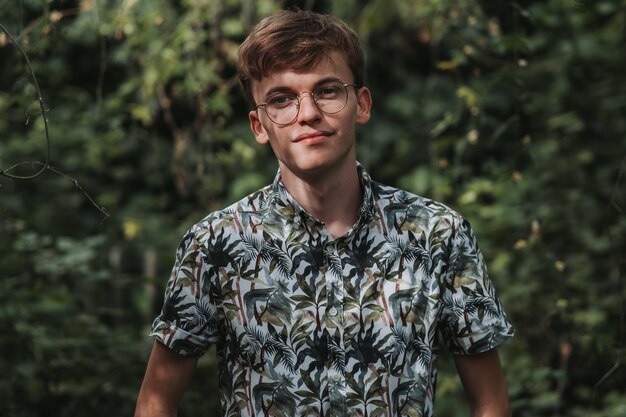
pixel 364 105
pixel 257 128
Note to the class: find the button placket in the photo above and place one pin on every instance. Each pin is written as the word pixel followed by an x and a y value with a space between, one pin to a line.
pixel 337 393
pixel 334 315
pixel 335 289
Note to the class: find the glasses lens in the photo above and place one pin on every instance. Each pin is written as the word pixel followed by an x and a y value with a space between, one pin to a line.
pixel 282 108
pixel 331 98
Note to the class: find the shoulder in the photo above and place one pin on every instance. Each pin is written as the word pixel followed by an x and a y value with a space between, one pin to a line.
pixel 395 205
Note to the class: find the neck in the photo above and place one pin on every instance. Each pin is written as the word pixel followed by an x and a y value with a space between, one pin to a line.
pixel 333 198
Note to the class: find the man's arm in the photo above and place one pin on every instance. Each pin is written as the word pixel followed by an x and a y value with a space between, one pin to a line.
pixel 484 384
pixel 166 379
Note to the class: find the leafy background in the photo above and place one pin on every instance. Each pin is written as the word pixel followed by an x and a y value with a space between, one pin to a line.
pixel 511 112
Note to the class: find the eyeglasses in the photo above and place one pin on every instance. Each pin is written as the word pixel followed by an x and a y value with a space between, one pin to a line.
pixel 283 108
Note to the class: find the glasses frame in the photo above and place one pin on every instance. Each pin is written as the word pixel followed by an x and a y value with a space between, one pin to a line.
pixel 297 104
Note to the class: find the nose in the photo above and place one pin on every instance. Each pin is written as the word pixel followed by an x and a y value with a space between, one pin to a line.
pixel 308 111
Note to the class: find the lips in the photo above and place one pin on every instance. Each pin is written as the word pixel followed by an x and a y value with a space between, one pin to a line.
pixel 312 137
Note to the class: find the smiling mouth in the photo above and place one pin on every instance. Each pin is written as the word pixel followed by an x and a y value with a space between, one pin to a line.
pixel 313 137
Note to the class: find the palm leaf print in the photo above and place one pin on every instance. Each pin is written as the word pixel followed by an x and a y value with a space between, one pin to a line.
pixel 307 324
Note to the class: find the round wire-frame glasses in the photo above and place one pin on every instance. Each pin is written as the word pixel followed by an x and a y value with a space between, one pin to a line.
pixel 282 108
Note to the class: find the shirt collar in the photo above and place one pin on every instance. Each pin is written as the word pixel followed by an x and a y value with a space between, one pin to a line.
pixel 283 203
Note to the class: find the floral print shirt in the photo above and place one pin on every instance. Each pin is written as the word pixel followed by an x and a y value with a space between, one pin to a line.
pixel 308 325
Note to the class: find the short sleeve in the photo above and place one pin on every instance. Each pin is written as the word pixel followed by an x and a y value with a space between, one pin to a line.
pixel 473 320
pixel 188 321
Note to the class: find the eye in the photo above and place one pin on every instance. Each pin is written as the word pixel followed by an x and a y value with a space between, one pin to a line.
pixel 328 91
pixel 280 101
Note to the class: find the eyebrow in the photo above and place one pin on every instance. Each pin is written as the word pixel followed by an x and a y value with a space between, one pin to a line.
pixel 285 89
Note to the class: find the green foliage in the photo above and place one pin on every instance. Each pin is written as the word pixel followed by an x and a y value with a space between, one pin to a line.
pixel 511 113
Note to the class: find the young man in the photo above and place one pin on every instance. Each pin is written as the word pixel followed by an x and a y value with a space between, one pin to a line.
pixel 325 292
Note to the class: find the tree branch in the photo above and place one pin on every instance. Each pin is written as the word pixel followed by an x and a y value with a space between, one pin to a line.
pixel 45 165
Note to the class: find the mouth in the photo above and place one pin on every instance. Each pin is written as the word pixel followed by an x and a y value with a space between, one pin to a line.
pixel 312 137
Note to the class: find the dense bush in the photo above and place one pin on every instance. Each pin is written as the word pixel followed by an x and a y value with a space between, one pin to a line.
pixel 510 112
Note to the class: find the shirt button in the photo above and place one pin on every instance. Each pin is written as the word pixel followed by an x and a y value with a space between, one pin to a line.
pixel 336 377
pixel 332 311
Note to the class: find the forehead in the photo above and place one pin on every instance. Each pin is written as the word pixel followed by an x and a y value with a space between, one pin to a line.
pixel 334 65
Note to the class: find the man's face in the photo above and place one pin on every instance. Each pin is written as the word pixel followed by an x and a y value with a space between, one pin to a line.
pixel 315 143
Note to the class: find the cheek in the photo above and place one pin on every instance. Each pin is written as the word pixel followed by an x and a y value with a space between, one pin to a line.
pixel 277 139
pixel 351 121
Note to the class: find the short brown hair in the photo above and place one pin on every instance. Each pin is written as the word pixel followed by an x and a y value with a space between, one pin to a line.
pixel 296 40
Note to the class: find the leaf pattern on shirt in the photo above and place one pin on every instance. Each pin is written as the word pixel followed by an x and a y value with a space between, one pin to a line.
pixel 307 325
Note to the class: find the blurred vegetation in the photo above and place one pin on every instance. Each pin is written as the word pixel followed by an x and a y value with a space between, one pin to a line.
pixel 510 112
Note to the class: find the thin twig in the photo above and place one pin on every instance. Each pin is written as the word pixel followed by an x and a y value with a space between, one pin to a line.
pixel 80 188
pixel 606 376
pixel 45 166
pixel 42 106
